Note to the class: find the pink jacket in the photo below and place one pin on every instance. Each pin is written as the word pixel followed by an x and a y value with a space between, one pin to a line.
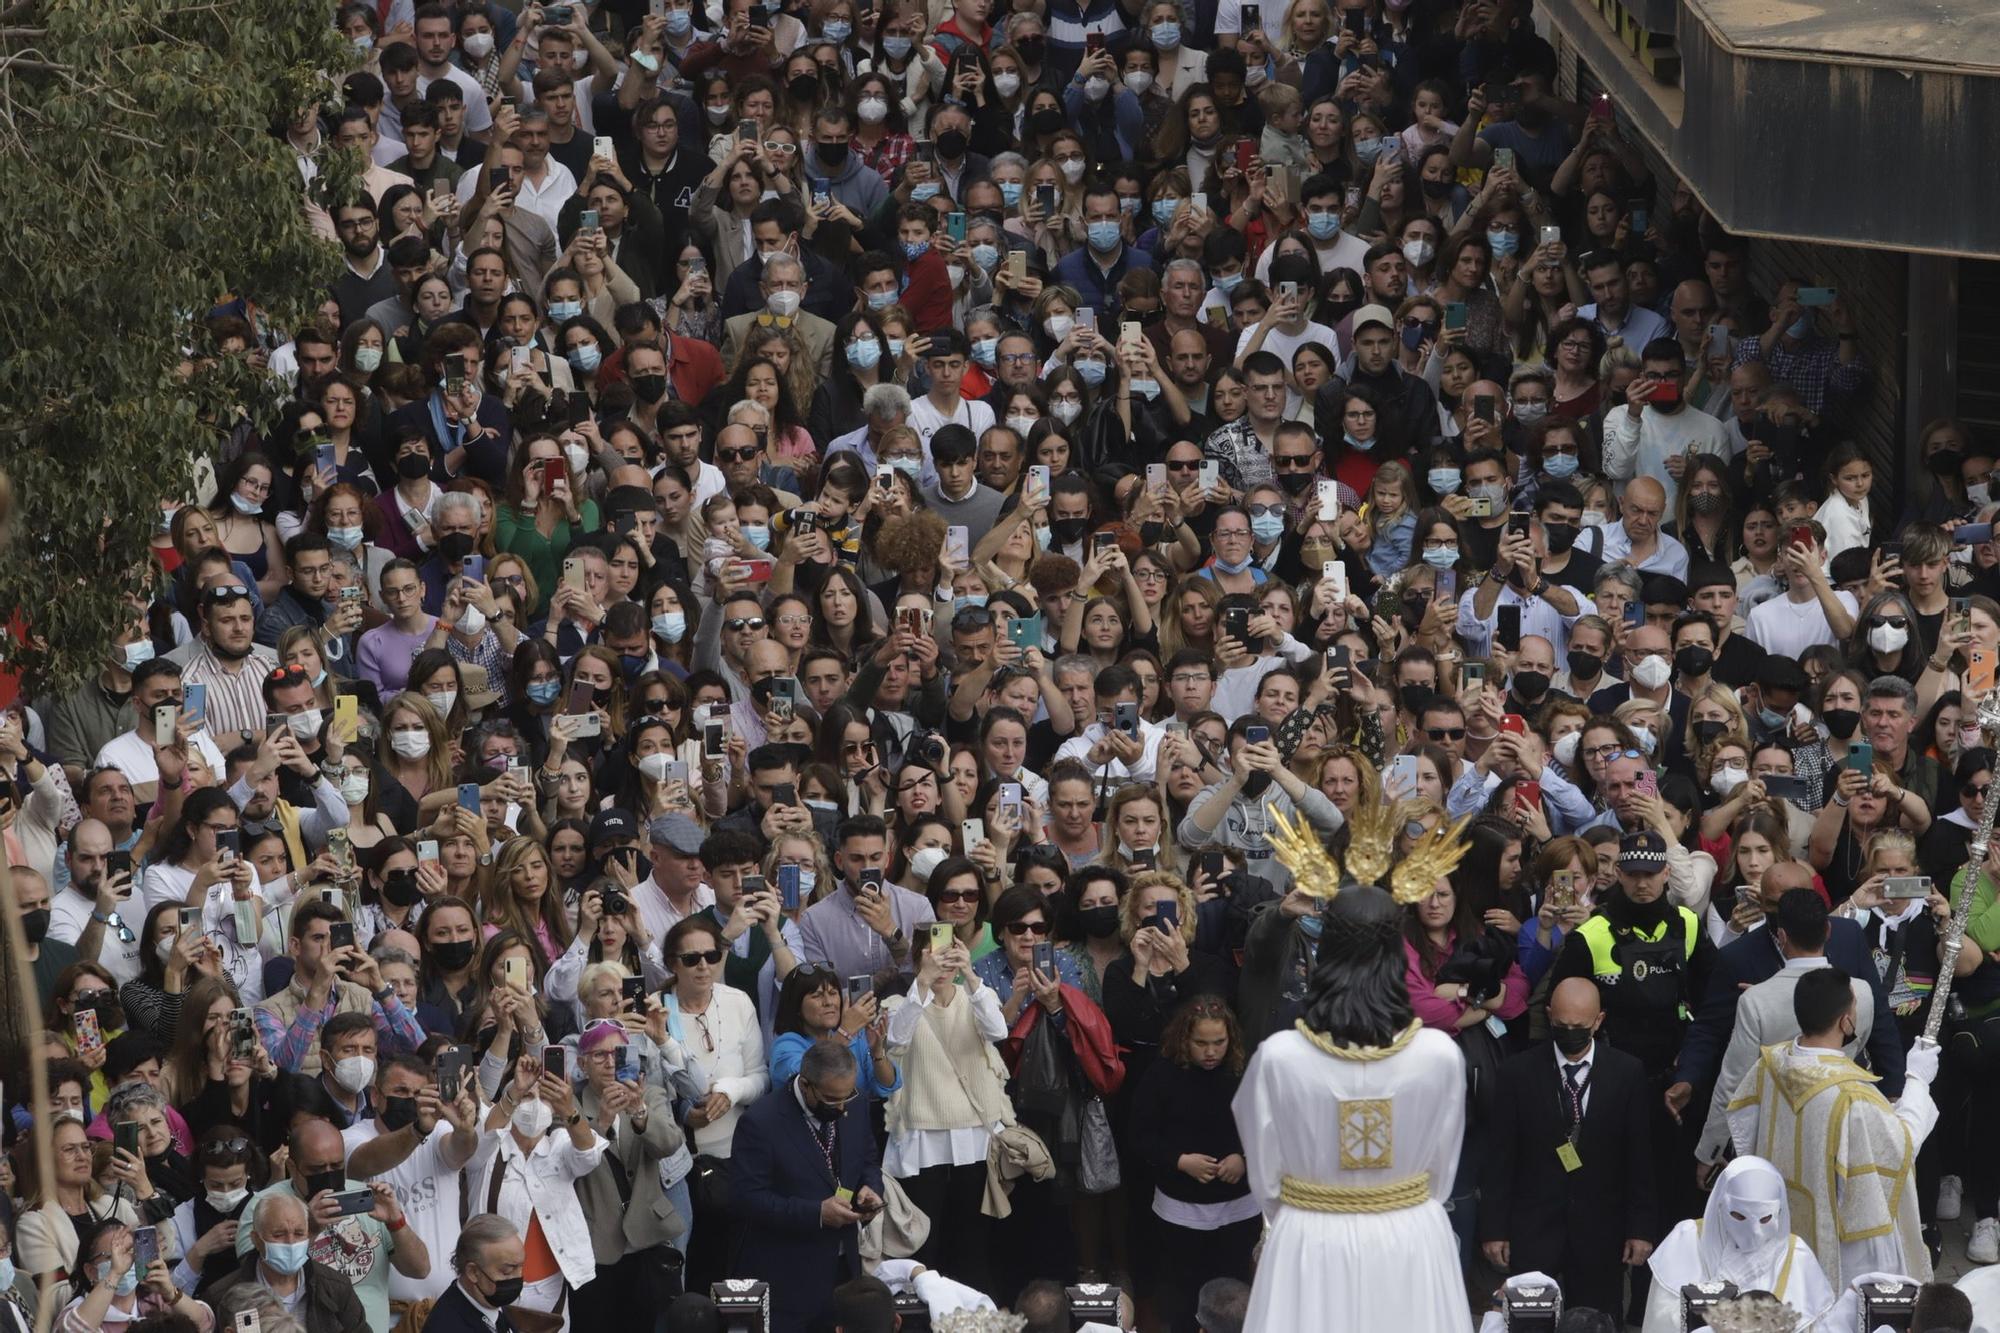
pixel 1445 1014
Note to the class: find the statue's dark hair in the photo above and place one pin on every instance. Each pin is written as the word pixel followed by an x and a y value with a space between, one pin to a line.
pixel 1357 996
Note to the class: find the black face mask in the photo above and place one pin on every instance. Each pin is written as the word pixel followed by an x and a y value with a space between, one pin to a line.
pixel 1098 922
pixel 833 155
pixel 1531 685
pixel 1693 660
pixel 1046 121
pixel 1944 463
pixel 1706 732
pixel 398 1112
pixel 1583 665
pixel 505 1292
pixel 1069 530
pixel 1414 697
pixel 1841 722
pixel 453 547
pixel 803 87
pixel 411 466
pixel 453 955
pixel 1707 502
pixel 1559 536
pixel 1438 189
pixel 951 145
pixel 1295 483
pixel 1571 1041
pixel 399 888
pixel 1256 784
pixel 1031 49
pixel 825 1114
pixel 649 388
pixel 35 925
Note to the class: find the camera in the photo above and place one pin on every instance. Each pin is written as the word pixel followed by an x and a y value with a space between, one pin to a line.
pixel 615 902
pixel 926 748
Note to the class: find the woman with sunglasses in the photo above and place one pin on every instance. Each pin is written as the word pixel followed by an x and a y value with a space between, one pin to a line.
pixel 816 1004
pixel 716 1024
pixel 957 891
pixel 228 1170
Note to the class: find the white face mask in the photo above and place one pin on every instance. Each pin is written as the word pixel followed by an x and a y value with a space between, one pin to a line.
pixel 1644 735
pixel 531 1118
pixel 1758 1227
pixel 354 1073
pixel 1072 167
pixel 442 701
pixel 783 303
pixel 1007 83
pixel 304 725
pixel 1888 638
pixel 1591 518
pixel 577 457
pixel 1650 673
pixel 1058 326
pixel 472 621
pixel 354 788
pixel 1066 410
pixel 925 861
pixel 1565 750
pixel 478 45
pixel 410 744
pixel 1139 80
pixel 225 1201
pixel 1979 492
pixel 1022 425
pixel 653 767
pixel 1418 252
pixel 1723 781
pixel 873 110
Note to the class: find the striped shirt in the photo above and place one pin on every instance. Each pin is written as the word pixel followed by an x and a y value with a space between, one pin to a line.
pixel 235 698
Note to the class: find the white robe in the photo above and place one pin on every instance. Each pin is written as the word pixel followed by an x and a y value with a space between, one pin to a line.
pixel 1303 1113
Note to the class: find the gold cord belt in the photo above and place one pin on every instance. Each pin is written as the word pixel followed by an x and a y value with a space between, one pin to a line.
pixel 1317 1198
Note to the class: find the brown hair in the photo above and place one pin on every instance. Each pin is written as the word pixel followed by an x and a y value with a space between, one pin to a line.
pixel 1175 1040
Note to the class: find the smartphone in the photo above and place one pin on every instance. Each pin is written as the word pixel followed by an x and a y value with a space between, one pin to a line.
pixel 1017 264
pixel 468 797
pixel 228 842
pixel 514 971
pixel 1093 42
pixel 1236 624
pixel 1485 408
pixel 1125 717
pixel 1503 158
pixel 1210 474
pixel 1817 296
pixel 1600 107
pixel 1972 534
pixel 195 699
pixel 340 935
pixel 126 1137
pixel 1166 916
pixel 1718 340
pixel 1026 631
pixel 1648 783
pixel 497 179
pixel 447 1071
pixel 145 1240
pixel 785 793
pixel 166 721
pixel 1507 628
pixel 588 221
pixel 555 1057
pixel 1403 774
pixel 1551 236
pixel 1010 798
pixel 1528 794
pixel 1514 724
pixel 788 888
pixel 1045 958
pixel 1861 758
pixel 713 743
pixel 601 146
pixel 1253 18
pixel 1906 886
pixel 354 1203
pixel 1245 150
pixel 1257 735
pixel 971 833
pixel 954 226
pixel 242 1034
pixel 941 937
pixel 1783 786
pixel 186 918
pixel 427 850
pixel 746 130
pixel 870 881
pixel 89 1035
pixel 1086 318
pixel 1455 316
pixel 1979 671
pixel 1471 676
pixel 120 863
pixel 246 1321
pixel 958 545
pixel 346 713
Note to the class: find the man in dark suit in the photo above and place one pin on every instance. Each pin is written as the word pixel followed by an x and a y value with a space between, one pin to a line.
pixel 488 1261
pixel 1756 957
pixel 1567 1188
pixel 805 1175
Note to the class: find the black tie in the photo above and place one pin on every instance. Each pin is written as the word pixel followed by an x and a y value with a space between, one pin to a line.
pixel 1570 1072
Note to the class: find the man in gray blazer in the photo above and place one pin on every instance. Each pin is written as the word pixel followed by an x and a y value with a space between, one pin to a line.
pixel 1764 1013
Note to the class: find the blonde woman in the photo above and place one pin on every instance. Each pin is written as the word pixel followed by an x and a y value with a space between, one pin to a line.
pixel 1713 712
pixel 520 897
pixel 1134 826
pixel 1160 969
pixel 414 751
pixel 1884 920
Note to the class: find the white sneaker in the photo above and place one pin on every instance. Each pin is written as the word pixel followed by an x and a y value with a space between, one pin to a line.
pixel 1951 1191
pixel 1984 1247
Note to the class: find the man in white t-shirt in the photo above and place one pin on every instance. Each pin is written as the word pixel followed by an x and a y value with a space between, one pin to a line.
pixel 1811 611
pixel 417 1145
pixel 96 915
pixel 1285 327
pixel 436 39
pixel 1321 198
pixel 155 684
pixel 943 405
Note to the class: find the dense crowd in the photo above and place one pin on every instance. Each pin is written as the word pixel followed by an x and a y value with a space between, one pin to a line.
pixel 732 724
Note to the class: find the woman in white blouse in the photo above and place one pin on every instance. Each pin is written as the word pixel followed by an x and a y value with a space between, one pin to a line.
pixel 952 1101
pixel 717 1026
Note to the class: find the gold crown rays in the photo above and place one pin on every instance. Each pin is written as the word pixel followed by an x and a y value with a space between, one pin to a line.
pixel 1371 847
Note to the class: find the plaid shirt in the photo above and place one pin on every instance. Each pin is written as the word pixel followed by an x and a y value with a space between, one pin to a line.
pixel 888 156
pixel 1813 367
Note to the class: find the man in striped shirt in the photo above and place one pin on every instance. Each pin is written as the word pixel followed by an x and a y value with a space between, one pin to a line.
pixel 225 656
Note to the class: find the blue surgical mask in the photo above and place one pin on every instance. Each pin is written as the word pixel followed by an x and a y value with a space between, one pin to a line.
pixel 1443 480
pixel 1267 528
pixel 986 256
pixel 6 1274
pixel 1365 446
pixel 881 300
pixel 1772 721
pixel 917 249
pixel 1104 236
pixel 585 357
pixel 1010 193
pixel 137 654
pixel 670 625
pixel 1323 224
pixel 1801 327
pixel 345 538
pixel 1441 557
pixel 1147 389
pixel 542 693
pixel 986 351
pixel 895 47
pixel 287 1256
pixel 758 535
pixel 1560 465
pixel 1495 491
pixel 1166 36
pixel 562 310
pixel 923 194
pixel 1164 210
pixel 864 354
pixel 1369 149
pixel 837 30
pixel 895 349
pixel 965 600
pixel 126 1284
pixel 679 22
pixel 1044 538
pixel 909 467
pixel 1226 283
pixel 1090 372
pixel 1503 241
pixel 1312 923
pixel 1235 566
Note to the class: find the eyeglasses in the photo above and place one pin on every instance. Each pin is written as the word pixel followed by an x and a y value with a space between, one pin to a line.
pixel 1445 733
pixel 797 620
pixel 1027 927
pixel 959 896
pixel 737 624
pixel 696 957
pixel 1018 358
pixel 1237 533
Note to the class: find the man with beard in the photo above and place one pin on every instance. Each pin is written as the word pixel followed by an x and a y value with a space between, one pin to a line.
pixel 46 956
pixel 225 657
pixel 1657 432
pixel 90 916
pixel 366 276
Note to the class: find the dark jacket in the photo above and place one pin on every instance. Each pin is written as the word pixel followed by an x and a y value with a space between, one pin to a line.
pixel 1560 1221
pixel 330 1305
pixel 1409 411
pixel 454 1312
pixel 1754 958
pixel 1177 1110
pixel 778 1180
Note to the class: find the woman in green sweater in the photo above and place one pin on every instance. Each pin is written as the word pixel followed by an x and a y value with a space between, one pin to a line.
pixel 541 514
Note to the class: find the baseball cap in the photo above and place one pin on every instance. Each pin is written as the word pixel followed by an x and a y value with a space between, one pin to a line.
pixel 1373 314
pixel 612 825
